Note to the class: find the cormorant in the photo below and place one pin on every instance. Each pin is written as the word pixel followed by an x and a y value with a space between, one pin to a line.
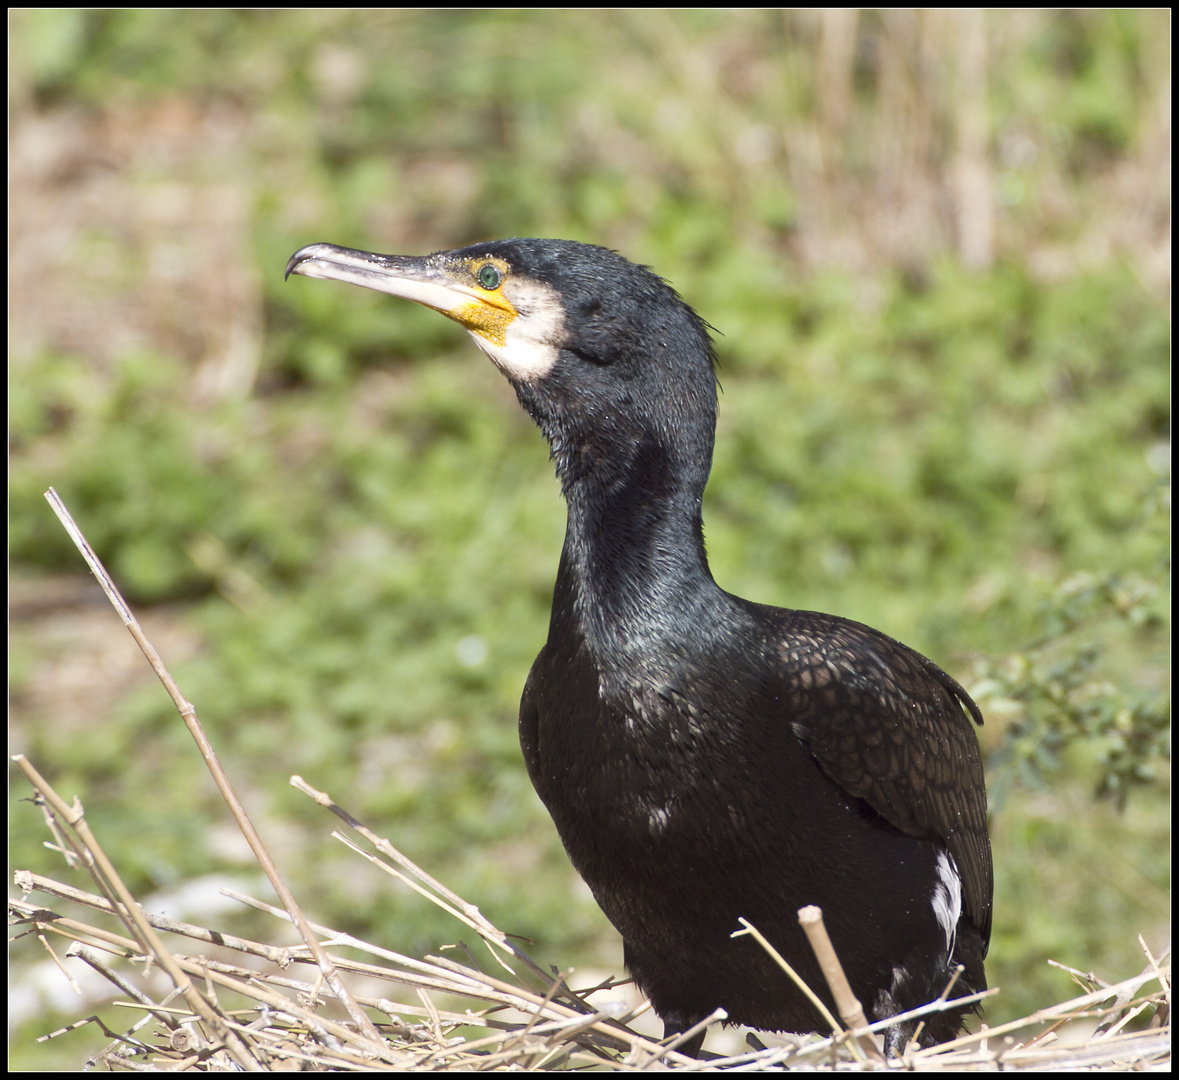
pixel 704 757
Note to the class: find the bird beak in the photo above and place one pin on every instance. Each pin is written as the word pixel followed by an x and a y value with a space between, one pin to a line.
pixel 448 287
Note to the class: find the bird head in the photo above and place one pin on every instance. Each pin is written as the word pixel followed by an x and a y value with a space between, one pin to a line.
pixel 602 352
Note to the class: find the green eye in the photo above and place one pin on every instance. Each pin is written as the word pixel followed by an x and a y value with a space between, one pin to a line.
pixel 490 277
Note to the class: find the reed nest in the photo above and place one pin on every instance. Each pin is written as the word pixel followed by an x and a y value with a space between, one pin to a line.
pixel 232 1003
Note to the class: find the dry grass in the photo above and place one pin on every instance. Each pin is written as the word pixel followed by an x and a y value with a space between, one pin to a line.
pixel 518 1016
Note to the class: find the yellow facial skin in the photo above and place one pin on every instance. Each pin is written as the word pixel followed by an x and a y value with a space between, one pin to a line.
pixel 490 313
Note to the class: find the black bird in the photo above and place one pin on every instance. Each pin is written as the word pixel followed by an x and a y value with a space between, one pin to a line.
pixel 703 757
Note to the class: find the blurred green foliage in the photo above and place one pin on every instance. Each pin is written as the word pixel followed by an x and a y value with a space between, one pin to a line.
pixel 366 544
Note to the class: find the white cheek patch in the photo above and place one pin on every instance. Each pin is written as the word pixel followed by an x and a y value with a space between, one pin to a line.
pixel 533 339
pixel 947 898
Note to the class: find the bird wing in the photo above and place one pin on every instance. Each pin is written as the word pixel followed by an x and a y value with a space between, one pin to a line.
pixel 891 728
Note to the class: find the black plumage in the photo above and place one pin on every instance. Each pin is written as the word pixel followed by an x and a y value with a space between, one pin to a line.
pixel 703 757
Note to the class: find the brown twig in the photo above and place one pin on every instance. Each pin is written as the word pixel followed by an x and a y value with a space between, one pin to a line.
pixel 220 777
pixel 851 1012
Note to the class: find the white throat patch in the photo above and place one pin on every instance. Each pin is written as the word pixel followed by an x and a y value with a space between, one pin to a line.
pixel 533 339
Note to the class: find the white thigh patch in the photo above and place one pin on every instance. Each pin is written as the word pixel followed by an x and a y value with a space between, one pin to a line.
pixel 947 898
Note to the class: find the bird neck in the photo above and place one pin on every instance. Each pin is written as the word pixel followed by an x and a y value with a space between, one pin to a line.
pixel 633 570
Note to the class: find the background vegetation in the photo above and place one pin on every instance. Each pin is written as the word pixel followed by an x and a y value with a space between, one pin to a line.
pixel 935 247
